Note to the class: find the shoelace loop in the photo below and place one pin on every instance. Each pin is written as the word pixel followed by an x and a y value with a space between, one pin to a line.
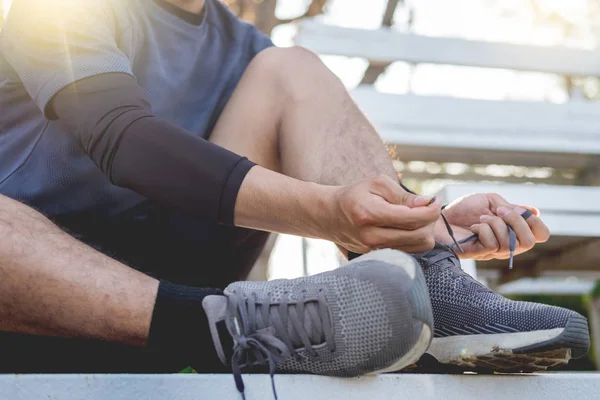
pixel 265 334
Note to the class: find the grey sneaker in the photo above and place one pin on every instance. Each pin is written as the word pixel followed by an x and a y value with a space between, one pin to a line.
pixel 370 316
pixel 480 330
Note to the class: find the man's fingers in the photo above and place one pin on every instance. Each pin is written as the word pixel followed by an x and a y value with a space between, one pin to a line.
pixel 535 225
pixel 486 237
pixel 500 230
pixel 403 217
pixel 393 207
pixel 499 202
pixel 391 191
pixel 424 201
pixel 534 210
pixel 509 207
pixel 525 236
pixel 538 228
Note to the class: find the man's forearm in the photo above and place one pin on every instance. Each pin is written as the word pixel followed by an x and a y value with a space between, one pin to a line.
pixel 111 119
pixel 51 284
pixel 273 202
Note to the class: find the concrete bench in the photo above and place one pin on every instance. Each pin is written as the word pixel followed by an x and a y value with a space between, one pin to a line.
pixel 300 387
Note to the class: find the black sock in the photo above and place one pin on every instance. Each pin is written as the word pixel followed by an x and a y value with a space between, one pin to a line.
pixel 179 326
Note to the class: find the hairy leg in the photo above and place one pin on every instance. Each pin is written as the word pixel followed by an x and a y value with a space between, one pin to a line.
pixel 51 284
pixel 292 115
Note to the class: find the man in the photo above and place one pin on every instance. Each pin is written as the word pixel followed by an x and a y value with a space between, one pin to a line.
pixel 171 136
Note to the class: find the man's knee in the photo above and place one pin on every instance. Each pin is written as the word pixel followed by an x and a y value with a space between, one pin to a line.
pixel 295 69
pixel 274 59
pixel 7 208
pixel 14 214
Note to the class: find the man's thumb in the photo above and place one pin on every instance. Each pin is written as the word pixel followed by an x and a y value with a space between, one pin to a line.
pixel 422 201
pixel 413 200
pixel 395 194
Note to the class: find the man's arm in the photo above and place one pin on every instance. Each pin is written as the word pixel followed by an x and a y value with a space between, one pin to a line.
pixel 111 119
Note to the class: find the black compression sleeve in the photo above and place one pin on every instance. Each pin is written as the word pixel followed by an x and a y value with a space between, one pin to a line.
pixel 111 119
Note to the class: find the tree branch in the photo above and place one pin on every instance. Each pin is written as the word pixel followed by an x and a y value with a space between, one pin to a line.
pixel 375 70
pixel 316 7
pixel 262 13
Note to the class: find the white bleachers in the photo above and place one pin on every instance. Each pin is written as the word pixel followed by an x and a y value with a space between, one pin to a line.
pixel 385 45
pixel 443 129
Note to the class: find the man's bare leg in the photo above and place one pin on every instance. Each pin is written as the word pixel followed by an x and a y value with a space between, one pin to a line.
pixel 51 284
pixel 292 115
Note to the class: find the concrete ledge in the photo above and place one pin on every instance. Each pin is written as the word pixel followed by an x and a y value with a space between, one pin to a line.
pixel 301 387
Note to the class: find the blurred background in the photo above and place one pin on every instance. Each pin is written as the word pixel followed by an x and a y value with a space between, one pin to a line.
pixel 470 96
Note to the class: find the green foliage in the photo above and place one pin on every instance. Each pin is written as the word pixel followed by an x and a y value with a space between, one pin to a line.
pixel 595 293
pixel 188 370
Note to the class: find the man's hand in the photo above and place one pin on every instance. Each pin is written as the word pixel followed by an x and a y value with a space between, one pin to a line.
pixel 371 214
pixel 378 213
pixel 489 215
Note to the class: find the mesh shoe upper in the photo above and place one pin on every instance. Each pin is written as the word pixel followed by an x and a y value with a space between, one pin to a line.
pixel 369 311
pixel 463 306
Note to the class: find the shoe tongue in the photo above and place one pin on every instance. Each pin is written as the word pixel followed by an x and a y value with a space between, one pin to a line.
pixel 215 308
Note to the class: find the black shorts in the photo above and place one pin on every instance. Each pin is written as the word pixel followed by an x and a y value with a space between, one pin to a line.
pixel 160 242
pixel 169 244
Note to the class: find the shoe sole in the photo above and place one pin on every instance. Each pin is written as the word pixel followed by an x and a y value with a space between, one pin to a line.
pixel 509 352
pixel 419 299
